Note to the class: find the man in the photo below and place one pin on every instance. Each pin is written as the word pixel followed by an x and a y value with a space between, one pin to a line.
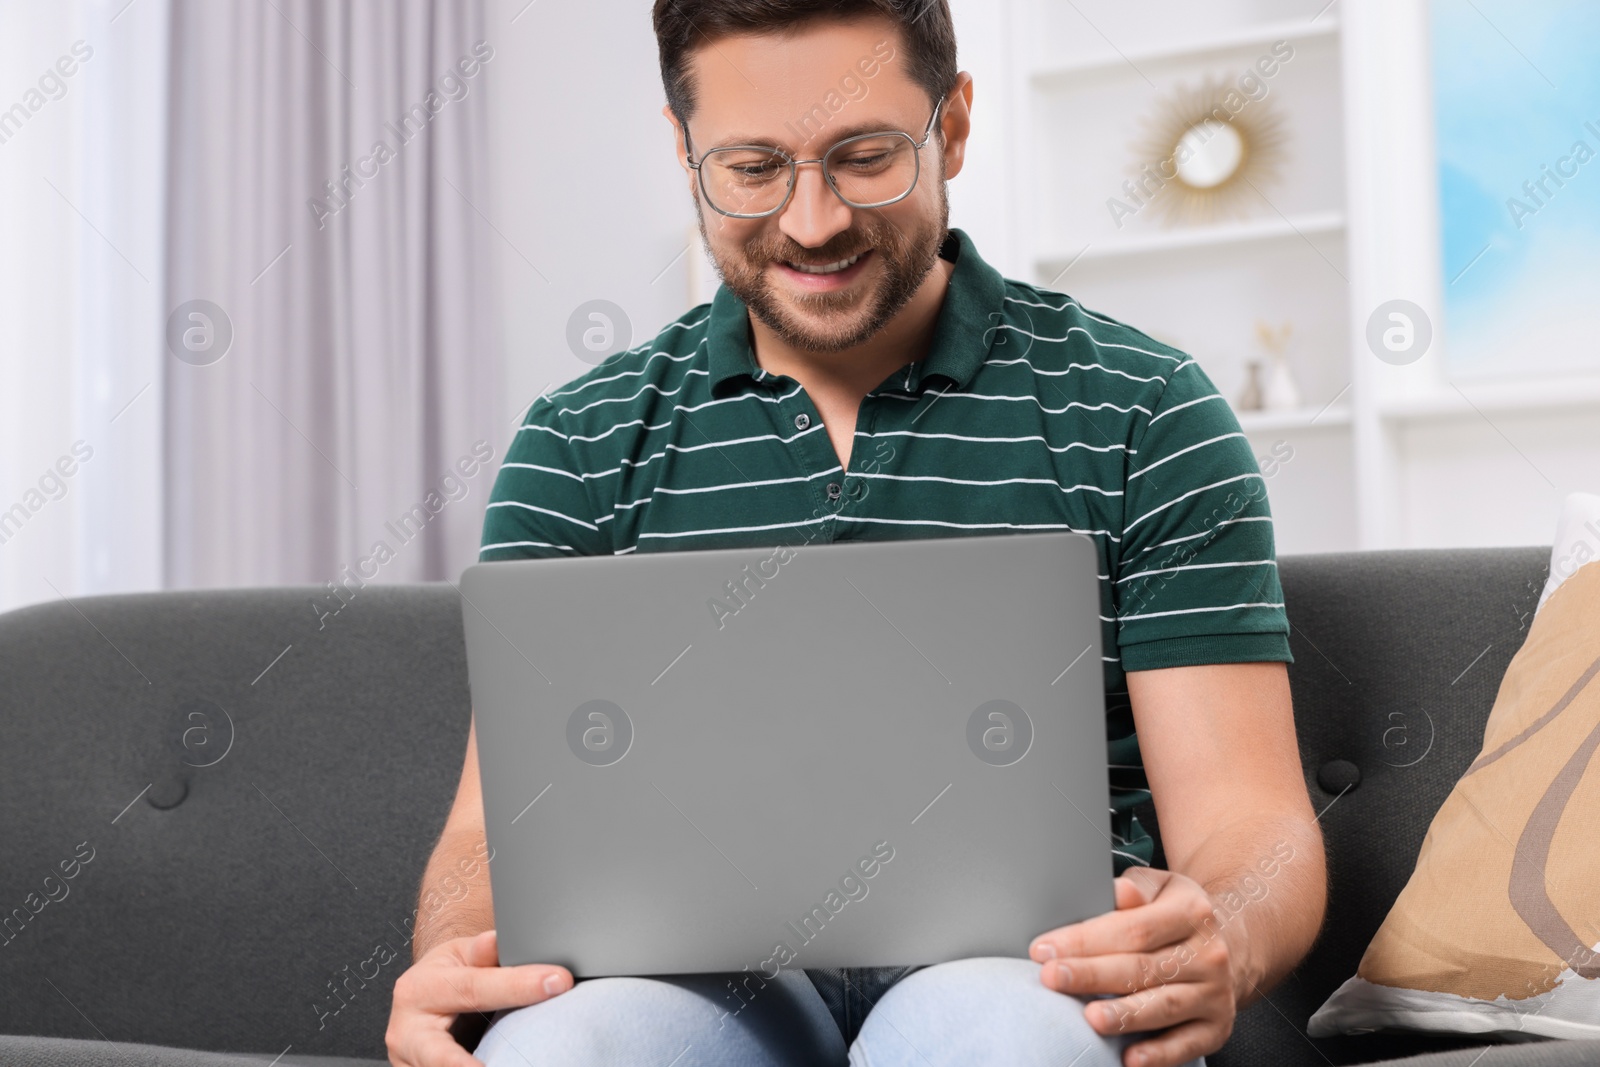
pixel 863 375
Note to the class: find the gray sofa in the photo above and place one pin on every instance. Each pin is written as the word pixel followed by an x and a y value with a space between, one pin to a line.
pixel 257 787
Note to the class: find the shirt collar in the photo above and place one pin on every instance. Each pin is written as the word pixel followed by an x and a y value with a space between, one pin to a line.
pixel 962 334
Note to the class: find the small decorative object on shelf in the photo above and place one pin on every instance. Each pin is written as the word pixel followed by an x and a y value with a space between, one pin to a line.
pixel 1209 151
pixel 1281 393
pixel 1251 398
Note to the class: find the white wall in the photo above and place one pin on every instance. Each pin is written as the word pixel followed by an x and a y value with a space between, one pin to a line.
pixel 1467 481
pixel 580 82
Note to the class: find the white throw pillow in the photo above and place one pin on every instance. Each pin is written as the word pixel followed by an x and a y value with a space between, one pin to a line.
pixel 1577 540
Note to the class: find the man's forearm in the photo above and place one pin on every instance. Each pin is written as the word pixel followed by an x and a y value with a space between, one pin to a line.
pixel 1267 877
pixel 454 900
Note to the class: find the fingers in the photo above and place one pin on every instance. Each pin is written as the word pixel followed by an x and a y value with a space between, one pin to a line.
pixel 1117 973
pixel 450 990
pixel 1178 1045
pixel 1154 909
pixel 1141 929
pixel 1160 947
pixel 1139 885
pixel 1151 1008
pixel 463 974
pixel 459 976
pixel 480 951
pixel 1205 957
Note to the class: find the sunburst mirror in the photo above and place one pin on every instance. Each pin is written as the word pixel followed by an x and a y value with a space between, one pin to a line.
pixel 1214 150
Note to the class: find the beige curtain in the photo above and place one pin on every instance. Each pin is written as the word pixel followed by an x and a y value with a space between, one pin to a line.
pixel 326 178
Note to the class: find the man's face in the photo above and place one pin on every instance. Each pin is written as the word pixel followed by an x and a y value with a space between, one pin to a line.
pixel 799 92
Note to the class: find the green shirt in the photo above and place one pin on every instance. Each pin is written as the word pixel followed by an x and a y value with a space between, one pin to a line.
pixel 1030 412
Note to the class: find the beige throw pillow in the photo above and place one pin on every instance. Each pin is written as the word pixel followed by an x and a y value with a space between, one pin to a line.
pixel 1498 927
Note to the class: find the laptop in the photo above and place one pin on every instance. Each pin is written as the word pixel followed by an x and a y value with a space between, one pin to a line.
pixel 853 754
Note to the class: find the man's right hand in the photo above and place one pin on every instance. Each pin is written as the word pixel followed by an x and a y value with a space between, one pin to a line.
pixel 453 977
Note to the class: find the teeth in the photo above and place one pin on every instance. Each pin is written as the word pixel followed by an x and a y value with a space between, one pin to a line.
pixel 831 268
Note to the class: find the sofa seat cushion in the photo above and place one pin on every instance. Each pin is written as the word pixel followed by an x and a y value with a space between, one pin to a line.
pixel 71 1052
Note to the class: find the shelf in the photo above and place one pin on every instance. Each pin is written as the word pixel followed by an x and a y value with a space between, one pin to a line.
pixel 1218 235
pixel 1319 418
pixel 1530 395
pixel 1245 37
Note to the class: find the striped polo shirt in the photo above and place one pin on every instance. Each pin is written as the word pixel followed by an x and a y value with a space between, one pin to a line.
pixel 1029 412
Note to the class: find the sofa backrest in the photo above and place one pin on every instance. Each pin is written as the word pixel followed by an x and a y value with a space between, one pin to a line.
pixel 304 763
pixel 1398 657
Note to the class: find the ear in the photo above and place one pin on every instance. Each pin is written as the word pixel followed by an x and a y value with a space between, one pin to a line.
pixel 678 137
pixel 956 121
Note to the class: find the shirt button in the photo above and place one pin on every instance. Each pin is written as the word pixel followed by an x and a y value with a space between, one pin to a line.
pixel 801 421
pixel 833 490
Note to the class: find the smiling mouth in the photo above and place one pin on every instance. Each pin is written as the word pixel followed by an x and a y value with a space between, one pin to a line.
pixel 825 268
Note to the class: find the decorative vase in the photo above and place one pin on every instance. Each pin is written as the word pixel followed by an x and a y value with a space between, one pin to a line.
pixel 1281 393
pixel 1250 399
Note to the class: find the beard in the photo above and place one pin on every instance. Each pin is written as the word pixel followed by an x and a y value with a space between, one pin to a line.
pixel 833 322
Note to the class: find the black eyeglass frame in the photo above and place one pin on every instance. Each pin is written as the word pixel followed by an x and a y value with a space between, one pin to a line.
pixel 794 166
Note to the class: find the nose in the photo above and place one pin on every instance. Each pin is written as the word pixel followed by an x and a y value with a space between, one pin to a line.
pixel 814 214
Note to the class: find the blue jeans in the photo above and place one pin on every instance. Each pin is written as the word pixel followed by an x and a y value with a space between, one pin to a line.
pixel 988 1009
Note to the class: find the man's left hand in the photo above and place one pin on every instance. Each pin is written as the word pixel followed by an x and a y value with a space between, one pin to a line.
pixel 1162 949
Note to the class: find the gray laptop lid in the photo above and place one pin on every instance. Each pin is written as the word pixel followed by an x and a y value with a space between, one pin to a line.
pixel 849 754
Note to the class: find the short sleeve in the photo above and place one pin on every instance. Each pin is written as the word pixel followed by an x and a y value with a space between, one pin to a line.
pixel 1197 574
pixel 542 504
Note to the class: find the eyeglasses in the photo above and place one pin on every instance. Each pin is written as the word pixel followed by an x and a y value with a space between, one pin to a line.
pixel 866 171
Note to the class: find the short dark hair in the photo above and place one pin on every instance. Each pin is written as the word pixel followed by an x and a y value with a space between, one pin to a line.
pixel 928 36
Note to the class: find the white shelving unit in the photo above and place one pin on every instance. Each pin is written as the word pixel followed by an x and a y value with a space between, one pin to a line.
pixel 1476 399
pixel 1329 416
pixel 1383 455
pixel 1215 235
pixel 1090 77
pixel 1247 34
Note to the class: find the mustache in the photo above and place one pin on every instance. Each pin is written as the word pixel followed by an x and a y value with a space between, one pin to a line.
pixel 829 253
pixel 815 256
pixel 867 235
